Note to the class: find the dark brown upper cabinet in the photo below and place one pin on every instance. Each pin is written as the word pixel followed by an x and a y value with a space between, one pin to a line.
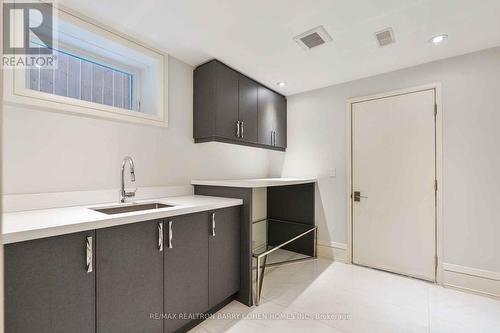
pixel 228 108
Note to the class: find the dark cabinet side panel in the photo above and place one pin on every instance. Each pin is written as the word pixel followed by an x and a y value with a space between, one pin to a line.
pixel 248 108
pixel 226 112
pixel 186 268
pixel 245 295
pixel 280 126
pixel 204 80
pixel 266 115
pixel 129 281
pixel 224 250
pixel 47 286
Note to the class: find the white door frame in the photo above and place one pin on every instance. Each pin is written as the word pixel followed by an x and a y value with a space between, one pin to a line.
pixel 439 168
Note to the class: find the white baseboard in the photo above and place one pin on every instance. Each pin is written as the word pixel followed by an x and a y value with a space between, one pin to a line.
pixel 473 280
pixel 332 250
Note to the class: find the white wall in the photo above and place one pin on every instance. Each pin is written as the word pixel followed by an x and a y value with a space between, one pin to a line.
pixel 471 129
pixel 54 152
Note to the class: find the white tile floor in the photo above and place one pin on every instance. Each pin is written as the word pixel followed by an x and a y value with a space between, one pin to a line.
pixel 375 302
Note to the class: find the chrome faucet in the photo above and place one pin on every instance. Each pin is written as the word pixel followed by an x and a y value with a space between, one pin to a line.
pixel 123 193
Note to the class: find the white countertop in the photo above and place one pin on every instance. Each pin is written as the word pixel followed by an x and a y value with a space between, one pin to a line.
pixel 33 224
pixel 254 183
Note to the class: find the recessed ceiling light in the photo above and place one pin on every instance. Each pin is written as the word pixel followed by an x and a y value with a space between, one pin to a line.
pixel 438 39
pixel 281 84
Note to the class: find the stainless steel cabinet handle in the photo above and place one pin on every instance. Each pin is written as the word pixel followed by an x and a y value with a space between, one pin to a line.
pixel 88 266
pixel 160 236
pixel 272 138
pixel 213 224
pixel 170 234
pixel 242 124
pixel 238 129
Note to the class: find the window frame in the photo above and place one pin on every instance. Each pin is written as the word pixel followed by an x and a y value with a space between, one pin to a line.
pixel 18 93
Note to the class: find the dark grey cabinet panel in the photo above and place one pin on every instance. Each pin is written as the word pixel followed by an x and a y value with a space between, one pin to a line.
pixel 138 273
pixel 230 107
pixel 248 109
pixel 47 286
pixel 204 87
pixel 186 268
pixel 272 118
pixel 280 121
pixel 245 294
pixel 129 268
pixel 224 250
pixel 226 111
pixel 266 116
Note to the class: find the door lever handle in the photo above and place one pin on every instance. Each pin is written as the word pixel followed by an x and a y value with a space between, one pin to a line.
pixel 357 196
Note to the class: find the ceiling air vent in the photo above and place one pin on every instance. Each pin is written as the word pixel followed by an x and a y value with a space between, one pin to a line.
pixel 385 37
pixel 313 38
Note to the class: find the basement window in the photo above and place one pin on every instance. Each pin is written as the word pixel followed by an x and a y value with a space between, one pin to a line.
pixel 98 72
pixel 81 77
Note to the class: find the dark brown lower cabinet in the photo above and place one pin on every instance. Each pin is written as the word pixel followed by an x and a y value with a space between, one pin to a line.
pixel 224 250
pixel 48 288
pixel 129 278
pixel 186 269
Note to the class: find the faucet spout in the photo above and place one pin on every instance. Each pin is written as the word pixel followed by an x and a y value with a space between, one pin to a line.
pixel 124 194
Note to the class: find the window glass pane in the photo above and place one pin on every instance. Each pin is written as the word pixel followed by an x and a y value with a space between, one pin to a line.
pixel 74 77
pixel 126 92
pixel 107 88
pixel 34 78
pixel 61 75
pixel 118 89
pixel 97 83
pixel 84 79
pixel 47 80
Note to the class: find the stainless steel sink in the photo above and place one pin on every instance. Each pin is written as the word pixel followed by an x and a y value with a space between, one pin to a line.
pixel 131 208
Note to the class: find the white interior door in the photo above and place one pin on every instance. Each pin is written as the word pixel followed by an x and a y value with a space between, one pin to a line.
pixel 394 167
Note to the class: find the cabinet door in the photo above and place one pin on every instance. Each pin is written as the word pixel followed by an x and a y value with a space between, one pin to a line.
pixel 47 286
pixel 186 268
pixel 129 278
pixel 266 115
pixel 280 121
pixel 224 250
pixel 226 114
pixel 248 109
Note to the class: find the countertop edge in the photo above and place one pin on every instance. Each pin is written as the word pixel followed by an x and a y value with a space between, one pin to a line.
pixel 253 183
pixel 111 221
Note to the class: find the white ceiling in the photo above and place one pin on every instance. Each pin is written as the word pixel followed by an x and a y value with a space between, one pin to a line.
pixel 255 36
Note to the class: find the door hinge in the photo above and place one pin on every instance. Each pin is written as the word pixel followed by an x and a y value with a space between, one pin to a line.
pixel 435 110
pixel 435 185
